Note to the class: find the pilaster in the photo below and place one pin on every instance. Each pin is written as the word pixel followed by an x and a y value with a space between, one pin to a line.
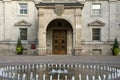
pixel 42 42
pixel 41 37
pixel 78 32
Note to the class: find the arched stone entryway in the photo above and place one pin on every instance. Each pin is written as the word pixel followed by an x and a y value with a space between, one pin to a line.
pixel 59 18
pixel 59 37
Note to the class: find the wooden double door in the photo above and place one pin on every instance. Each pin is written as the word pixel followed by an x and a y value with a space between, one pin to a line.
pixel 59 41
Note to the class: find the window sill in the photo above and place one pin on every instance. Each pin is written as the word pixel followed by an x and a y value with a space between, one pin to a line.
pixel 96 15
pixel 25 41
pixel 23 15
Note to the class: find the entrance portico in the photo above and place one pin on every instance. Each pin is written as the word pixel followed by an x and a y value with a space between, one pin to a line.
pixel 59 30
pixel 59 37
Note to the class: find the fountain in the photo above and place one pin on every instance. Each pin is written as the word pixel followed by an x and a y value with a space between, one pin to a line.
pixel 87 78
pixel 31 75
pixel 79 76
pixel 58 78
pixel 93 77
pixel 50 77
pixel 18 77
pixel 65 77
pixel 59 72
pixel 104 77
pixel 24 77
pixel 37 77
pixel 44 77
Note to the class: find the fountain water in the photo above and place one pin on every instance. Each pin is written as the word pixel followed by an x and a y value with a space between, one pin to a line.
pixel 44 77
pixel 104 77
pixel 18 77
pixel 87 78
pixel 51 77
pixel 99 78
pixel 93 77
pixel 24 77
pixel 58 78
pixel 60 71
pixel 73 77
pixel 65 77
pixel 37 77
pixel 31 75
pixel 13 75
pixel 80 77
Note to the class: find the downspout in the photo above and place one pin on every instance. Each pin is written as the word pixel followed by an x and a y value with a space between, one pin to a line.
pixel 36 13
pixel 109 21
pixel 3 20
pixel 35 17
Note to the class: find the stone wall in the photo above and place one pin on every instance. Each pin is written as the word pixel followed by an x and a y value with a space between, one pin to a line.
pixel 103 48
pixel 98 48
pixel 7 48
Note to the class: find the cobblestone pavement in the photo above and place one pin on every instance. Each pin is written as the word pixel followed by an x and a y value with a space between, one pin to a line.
pixel 65 59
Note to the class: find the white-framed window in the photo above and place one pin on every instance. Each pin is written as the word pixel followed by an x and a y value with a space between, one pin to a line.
pixel 96 32
pixel 96 9
pixel 23 8
pixel 23 33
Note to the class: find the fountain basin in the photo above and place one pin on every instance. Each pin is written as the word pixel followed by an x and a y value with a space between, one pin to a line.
pixel 59 72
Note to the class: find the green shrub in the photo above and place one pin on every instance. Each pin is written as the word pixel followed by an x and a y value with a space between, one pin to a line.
pixel 116 45
pixel 19 48
pixel 115 48
pixel 116 51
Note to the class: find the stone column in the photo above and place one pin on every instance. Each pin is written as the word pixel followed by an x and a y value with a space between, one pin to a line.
pixel 77 46
pixel 41 35
pixel 42 42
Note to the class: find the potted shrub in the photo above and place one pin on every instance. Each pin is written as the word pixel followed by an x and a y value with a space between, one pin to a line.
pixel 19 48
pixel 115 49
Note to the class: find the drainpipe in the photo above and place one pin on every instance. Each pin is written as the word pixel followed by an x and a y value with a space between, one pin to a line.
pixel 109 21
pixel 3 20
pixel 36 23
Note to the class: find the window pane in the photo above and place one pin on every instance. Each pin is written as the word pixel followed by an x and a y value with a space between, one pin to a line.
pixel 23 33
pixel 23 8
pixel 96 34
pixel 96 6
pixel 96 9
pixel 25 11
pixel 21 11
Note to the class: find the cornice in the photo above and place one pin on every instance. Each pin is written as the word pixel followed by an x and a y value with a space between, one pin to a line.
pixel 96 23
pixel 16 0
pixel 22 23
pixel 102 0
pixel 66 5
pixel 96 0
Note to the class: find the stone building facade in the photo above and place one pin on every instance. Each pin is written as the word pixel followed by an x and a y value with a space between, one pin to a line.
pixel 107 23
pixel 62 27
pixel 12 21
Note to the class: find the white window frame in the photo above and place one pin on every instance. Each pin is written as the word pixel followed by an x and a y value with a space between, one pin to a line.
pixel 96 9
pixel 24 9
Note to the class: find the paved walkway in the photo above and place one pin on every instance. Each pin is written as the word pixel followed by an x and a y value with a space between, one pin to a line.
pixel 64 59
